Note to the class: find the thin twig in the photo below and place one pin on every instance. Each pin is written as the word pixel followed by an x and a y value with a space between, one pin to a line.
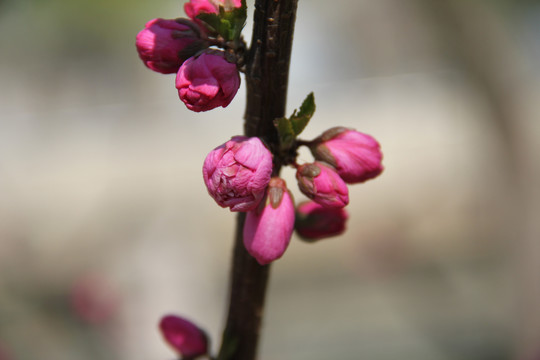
pixel 267 74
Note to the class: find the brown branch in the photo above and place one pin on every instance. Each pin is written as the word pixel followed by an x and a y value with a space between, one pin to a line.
pixel 267 74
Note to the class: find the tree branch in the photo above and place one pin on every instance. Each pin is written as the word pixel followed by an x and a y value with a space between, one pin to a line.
pixel 267 74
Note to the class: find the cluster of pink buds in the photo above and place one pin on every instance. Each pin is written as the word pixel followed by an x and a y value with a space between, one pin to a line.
pixel 205 77
pixel 238 173
pixel 343 156
pixel 206 52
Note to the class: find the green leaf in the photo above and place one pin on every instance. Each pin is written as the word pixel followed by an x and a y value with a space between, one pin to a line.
pixel 212 21
pixel 285 131
pixel 289 128
pixel 228 24
pixel 236 19
pixel 301 119
pixel 229 345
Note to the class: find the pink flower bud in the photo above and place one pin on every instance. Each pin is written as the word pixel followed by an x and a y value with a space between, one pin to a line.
pixel 163 45
pixel 4 354
pixel 195 7
pixel 184 336
pixel 93 299
pixel 314 221
pixel 356 156
pixel 268 229
pixel 237 173
pixel 207 81
pixel 322 184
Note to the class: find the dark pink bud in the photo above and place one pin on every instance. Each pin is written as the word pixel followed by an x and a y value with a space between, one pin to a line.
pixel 163 45
pixel 322 184
pixel 356 156
pixel 195 7
pixel 184 336
pixel 314 221
pixel 268 229
pixel 237 173
pixel 207 81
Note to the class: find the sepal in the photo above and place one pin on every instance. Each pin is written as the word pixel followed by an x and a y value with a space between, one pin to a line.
pixel 228 22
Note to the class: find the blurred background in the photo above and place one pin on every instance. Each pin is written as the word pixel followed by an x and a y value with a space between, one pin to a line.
pixel 105 224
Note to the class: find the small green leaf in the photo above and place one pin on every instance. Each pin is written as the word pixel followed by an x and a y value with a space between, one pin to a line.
pixel 229 344
pixel 228 24
pixel 225 29
pixel 308 106
pixel 212 21
pixel 301 119
pixel 285 131
pixel 236 19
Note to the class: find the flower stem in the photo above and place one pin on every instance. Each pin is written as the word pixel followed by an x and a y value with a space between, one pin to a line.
pixel 267 75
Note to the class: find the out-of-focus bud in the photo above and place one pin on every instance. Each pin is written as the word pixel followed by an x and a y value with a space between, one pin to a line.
pixel 3 353
pixel 314 221
pixel 322 184
pixel 93 299
pixel 207 81
pixel 237 173
pixel 268 229
pixel 195 7
pixel 163 45
pixel 184 336
pixel 356 156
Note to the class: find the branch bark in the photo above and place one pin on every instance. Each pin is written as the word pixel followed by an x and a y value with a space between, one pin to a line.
pixel 267 75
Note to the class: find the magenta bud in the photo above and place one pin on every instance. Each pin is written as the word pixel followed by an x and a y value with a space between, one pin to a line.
pixel 268 229
pixel 321 183
pixel 314 221
pixel 195 7
pixel 356 156
pixel 237 173
pixel 163 45
pixel 207 81
pixel 184 336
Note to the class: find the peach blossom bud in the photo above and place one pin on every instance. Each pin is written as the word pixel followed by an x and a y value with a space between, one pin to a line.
pixel 237 173
pixel 322 184
pixel 356 156
pixel 184 336
pixel 4 354
pixel 195 7
pixel 314 221
pixel 268 229
pixel 163 45
pixel 207 81
pixel 93 299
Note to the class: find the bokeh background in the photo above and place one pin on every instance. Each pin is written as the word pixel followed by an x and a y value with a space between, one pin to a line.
pixel 105 224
